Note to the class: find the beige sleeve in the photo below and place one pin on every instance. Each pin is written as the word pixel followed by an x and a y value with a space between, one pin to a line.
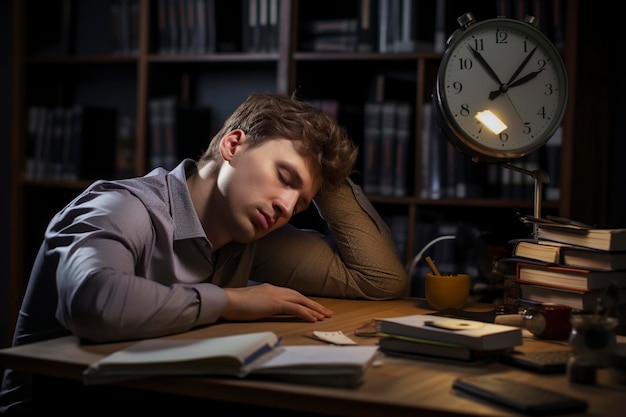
pixel 359 260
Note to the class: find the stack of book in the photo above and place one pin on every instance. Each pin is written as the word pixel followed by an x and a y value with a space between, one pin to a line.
pixel 432 337
pixel 571 264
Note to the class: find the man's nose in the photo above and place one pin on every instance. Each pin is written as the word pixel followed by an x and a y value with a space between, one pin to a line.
pixel 285 205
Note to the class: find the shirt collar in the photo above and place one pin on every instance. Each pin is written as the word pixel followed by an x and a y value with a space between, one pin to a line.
pixel 186 222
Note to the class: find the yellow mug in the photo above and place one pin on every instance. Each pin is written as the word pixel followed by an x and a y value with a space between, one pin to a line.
pixel 447 291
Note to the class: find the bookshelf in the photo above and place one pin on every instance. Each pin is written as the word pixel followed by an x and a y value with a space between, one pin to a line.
pixel 85 61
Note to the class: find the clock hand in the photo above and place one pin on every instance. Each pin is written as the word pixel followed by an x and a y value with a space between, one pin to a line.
pixel 504 88
pixel 525 78
pixel 485 64
pixel 515 108
pixel 522 65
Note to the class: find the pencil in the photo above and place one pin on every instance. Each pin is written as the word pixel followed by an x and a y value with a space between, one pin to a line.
pixel 432 265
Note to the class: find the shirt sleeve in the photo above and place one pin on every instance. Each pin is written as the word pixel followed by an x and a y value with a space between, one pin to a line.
pixel 103 246
pixel 359 260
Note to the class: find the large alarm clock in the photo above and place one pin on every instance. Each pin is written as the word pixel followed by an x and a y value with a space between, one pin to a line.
pixel 501 89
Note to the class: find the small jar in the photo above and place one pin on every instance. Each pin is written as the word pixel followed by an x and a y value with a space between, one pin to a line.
pixel 593 341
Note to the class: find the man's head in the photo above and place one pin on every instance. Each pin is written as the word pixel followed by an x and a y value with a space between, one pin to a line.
pixel 316 135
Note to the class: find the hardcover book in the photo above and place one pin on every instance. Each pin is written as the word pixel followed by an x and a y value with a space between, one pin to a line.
pixel 569 255
pixel 570 278
pixel 469 333
pixel 575 233
pixel 243 355
pixel 576 299
pixel 398 345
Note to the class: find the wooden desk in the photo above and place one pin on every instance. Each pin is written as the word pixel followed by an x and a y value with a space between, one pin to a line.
pixel 399 387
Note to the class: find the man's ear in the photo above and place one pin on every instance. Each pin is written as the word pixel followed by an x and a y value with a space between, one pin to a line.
pixel 230 142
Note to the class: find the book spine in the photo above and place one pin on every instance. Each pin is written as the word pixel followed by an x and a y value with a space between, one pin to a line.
pixel 440 26
pixel 388 139
pixel 368 25
pixel 403 139
pixel 371 135
pixel 425 140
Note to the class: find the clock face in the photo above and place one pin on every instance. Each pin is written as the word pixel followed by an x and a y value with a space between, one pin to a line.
pixel 503 74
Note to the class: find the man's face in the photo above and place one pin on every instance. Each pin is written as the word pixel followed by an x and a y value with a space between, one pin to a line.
pixel 264 186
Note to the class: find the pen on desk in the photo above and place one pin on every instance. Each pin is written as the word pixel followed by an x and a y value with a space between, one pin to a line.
pixel 432 265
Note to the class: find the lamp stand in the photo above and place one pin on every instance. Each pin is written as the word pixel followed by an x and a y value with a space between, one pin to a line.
pixel 540 177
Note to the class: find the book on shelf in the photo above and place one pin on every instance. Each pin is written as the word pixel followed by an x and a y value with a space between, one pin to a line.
pixel 58 136
pixel 586 300
pixel 331 43
pixel 469 333
pixel 440 26
pixel 568 255
pixel 402 148
pixel 426 349
pixel 163 33
pixel 367 29
pixel 258 355
pixel 210 33
pixel 438 148
pixel 35 113
pixel 172 25
pixel 385 43
pixel 124 27
pixel 427 130
pixel 251 29
pixel 342 26
pixel 170 139
pixel 371 146
pixel 156 133
pixel 271 38
pixel 177 130
pixel 404 17
pixel 125 148
pixel 387 147
pixel 566 277
pixel 185 25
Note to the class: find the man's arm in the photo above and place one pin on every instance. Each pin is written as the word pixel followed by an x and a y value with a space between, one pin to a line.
pixel 360 261
pixel 100 251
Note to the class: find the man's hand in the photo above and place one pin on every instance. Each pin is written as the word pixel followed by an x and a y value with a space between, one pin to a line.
pixel 265 300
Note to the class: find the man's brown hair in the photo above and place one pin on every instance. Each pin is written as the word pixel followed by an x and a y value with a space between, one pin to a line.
pixel 319 137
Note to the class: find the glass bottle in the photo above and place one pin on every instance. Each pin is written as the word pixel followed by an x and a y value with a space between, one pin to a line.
pixel 593 341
